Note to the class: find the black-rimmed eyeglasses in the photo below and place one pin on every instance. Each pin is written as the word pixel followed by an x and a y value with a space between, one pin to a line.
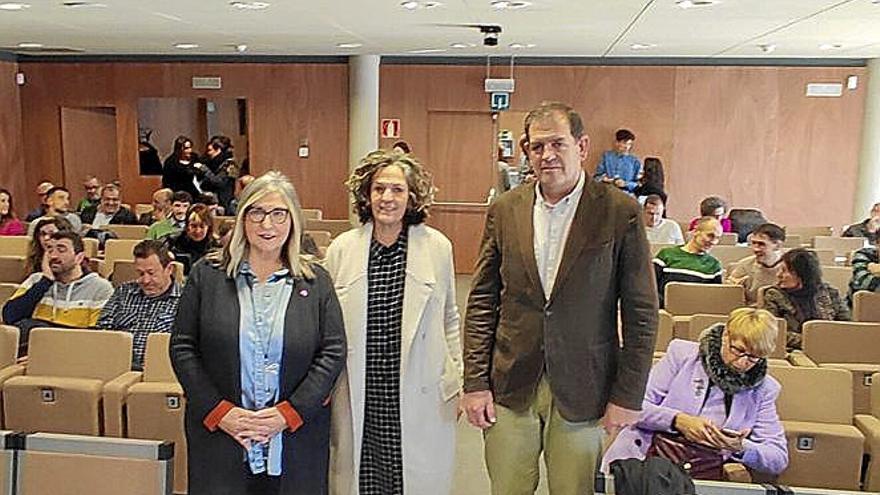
pixel 276 215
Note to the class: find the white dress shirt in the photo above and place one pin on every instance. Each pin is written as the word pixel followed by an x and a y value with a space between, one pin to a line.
pixel 551 224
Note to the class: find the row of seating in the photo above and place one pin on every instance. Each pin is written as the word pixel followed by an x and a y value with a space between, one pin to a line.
pixel 63 388
pixel 58 464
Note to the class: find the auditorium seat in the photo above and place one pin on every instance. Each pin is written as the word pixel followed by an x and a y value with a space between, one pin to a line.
pixel 91 247
pixel 869 425
pixel 824 448
pixel 664 332
pixel 656 247
pixel 846 345
pixel 842 246
pixel 866 306
pixel 335 227
pixel 8 353
pixel 685 299
pixel 322 238
pixel 219 219
pixel 312 214
pixel 809 233
pixel 792 241
pixel 730 254
pixel 7 289
pixel 141 208
pixel 155 405
pixel 13 269
pixel 138 232
pixel 826 256
pixel 117 249
pixel 66 375
pixel 728 239
pixel 837 277
pixel 50 463
pixel 124 271
pixel 14 245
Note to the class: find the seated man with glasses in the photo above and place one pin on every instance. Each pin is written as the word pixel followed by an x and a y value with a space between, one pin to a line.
pixel 714 393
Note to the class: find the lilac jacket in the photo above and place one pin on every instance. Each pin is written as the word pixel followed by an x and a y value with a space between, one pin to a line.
pixel 678 383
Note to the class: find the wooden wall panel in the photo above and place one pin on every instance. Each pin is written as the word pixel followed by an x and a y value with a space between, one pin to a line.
pixel 88 143
pixel 746 133
pixel 287 104
pixel 12 172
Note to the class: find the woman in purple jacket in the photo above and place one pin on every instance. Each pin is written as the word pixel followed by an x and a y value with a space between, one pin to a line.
pixel 715 392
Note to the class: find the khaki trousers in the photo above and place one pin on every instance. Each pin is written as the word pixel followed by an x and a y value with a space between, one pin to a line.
pixel 514 444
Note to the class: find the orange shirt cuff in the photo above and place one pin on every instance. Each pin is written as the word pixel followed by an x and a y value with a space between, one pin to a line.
pixel 293 419
pixel 213 418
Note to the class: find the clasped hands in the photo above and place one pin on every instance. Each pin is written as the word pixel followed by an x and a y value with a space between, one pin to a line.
pixel 703 431
pixel 250 427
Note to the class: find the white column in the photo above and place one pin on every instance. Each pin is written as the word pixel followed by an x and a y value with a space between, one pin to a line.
pixel 363 108
pixel 868 181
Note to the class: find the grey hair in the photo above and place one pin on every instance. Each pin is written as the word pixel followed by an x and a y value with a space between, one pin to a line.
pixel 237 249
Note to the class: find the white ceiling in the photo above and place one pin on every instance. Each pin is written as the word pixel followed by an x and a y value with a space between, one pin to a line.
pixel 592 28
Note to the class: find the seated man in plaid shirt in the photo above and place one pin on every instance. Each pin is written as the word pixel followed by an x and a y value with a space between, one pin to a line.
pixel 146 305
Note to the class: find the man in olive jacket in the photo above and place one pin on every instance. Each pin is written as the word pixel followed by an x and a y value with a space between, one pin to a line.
pixel 545 369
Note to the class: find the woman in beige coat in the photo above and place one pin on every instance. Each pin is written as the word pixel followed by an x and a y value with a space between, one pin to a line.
pixel 395 408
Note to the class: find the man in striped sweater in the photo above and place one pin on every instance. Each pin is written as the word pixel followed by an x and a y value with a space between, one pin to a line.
pixel 63 294
pixel 691 262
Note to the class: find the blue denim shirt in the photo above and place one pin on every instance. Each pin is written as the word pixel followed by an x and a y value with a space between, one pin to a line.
pixel 615 165
pixel 261 344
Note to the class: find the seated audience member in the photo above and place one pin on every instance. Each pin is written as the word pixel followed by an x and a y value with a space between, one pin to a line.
pixel 240 184
pixel 866 227
pixel 653 181
pixel 209 199
pixel 174 221
pixel 109 211
pixel 62 294
pixel 619 167
pixel 197 238
pixel 692 261
pixel 660 230
pixel 224 232
pixel 218 170
pixel 58 205
pixel 145 305
pixel 161 207
pixel 716 207
pixel 763 267
pixel 800 295
pixel 42 189
pixel 92 186
pixel 43 230
pixel 717 393
pixel 9 222
pixel 866 269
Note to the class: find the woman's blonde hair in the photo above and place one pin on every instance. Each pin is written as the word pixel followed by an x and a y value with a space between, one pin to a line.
pixel 758 329
pixel 237 249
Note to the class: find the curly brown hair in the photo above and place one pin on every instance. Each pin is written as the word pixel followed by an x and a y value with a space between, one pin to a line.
pixel 418 180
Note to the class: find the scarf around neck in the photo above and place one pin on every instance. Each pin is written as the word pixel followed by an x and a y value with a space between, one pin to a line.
pixel 722 376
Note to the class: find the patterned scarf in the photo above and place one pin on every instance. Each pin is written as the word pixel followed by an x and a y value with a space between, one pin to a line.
pixel 722 376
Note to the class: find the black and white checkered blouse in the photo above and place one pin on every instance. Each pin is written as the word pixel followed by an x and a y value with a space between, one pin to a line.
pixel 381 470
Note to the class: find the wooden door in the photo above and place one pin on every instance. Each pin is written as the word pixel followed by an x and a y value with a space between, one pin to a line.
pixel 88 146
pixel 461 155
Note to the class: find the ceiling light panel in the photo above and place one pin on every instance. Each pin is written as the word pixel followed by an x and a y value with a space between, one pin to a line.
pixel 13 6
pixel 186 46
pixel 241 5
